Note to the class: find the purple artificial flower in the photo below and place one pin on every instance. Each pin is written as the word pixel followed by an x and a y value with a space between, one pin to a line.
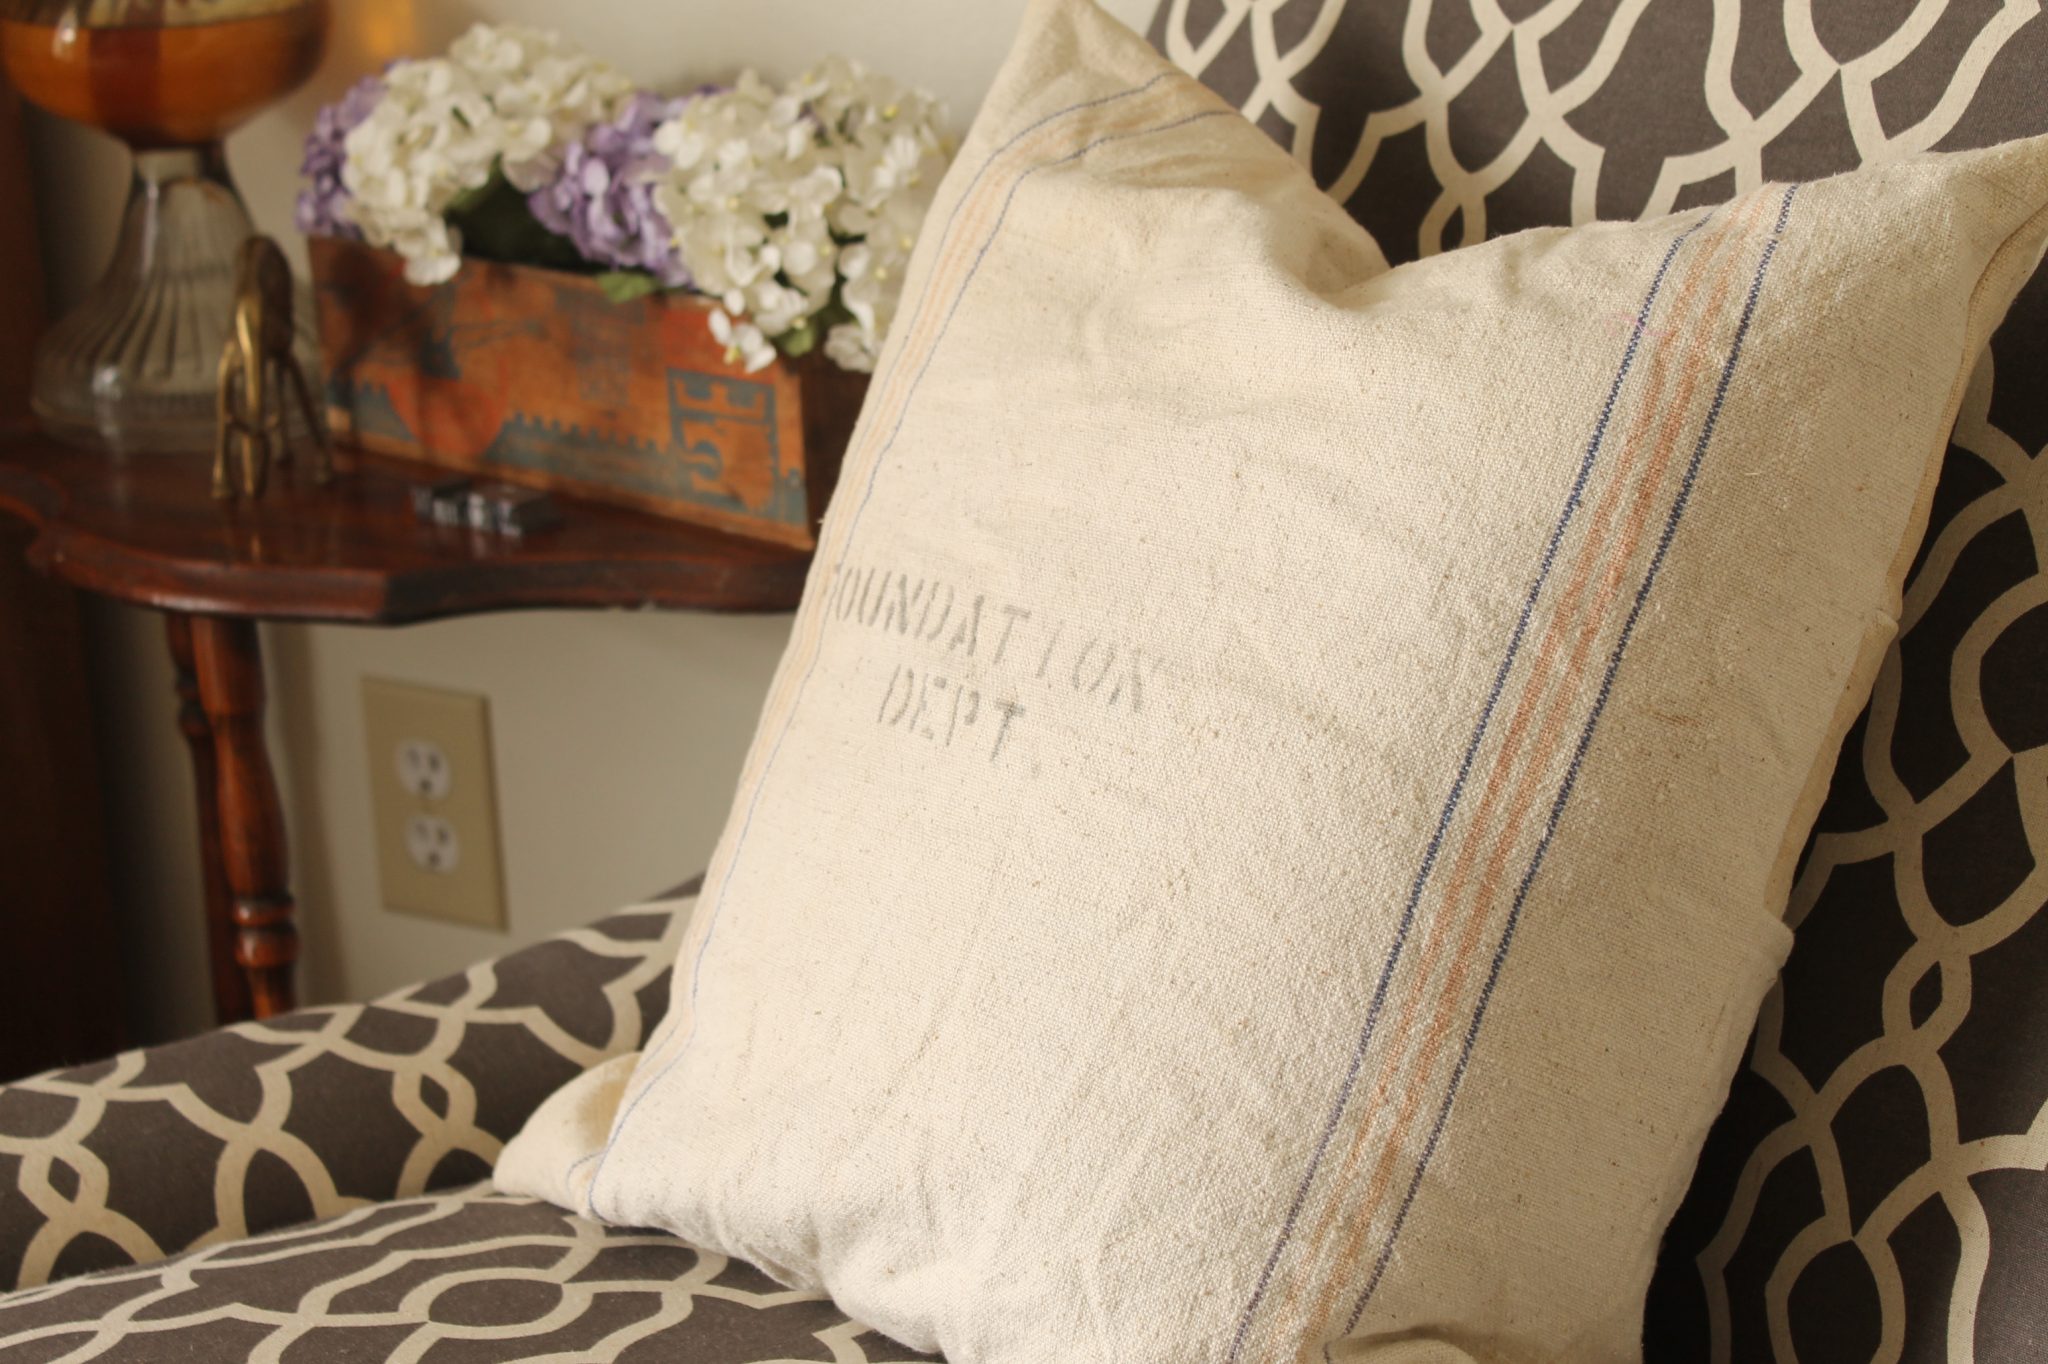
pixel 603 200
pixel 320 208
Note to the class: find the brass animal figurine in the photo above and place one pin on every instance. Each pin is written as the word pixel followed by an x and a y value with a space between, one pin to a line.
pixel 254 366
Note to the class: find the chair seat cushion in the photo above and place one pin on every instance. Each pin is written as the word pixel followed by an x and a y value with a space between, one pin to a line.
pixel 277 1123
pixel 458 1278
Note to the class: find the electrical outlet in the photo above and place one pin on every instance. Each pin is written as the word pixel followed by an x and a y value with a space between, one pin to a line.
pixel 435 802
pixel 424 770
pixel 432 844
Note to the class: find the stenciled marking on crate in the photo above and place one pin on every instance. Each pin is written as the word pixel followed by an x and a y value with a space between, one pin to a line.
pixel 970 667
pixel 599 330
pixel 717 423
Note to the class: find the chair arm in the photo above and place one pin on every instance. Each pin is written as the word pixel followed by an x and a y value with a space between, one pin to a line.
pixel 264 1125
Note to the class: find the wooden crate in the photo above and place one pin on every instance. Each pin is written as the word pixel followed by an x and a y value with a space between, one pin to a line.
pixel 534 376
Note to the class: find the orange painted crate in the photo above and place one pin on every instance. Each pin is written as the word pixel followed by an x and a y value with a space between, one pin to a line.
pixel 534 376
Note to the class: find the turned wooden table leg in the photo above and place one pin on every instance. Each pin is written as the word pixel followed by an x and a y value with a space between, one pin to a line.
pixel 228 661
pixel 231 1002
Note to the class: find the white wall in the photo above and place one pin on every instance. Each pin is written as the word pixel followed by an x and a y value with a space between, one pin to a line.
pixel 619 737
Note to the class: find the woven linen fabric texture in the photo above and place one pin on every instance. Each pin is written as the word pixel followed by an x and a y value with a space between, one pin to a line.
pixel 1315 926
pixel 1873 1188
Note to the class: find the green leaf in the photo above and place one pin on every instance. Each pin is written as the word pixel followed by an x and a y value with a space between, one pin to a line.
pixel 624 286
pixel 496 224
pixel 798 340
pixel 831 315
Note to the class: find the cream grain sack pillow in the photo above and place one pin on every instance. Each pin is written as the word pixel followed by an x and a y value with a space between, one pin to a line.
pixel 1271 828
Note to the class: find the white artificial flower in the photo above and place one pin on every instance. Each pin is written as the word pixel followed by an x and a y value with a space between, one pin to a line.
pixel 783 201
pixel 743 341
pixel 723 152
pixel 776 308
pixel 809 255
pixel 869 292
pixel 543 92
pixel 851 347
pixel 506 95
pixel 805 198
pixel 484 48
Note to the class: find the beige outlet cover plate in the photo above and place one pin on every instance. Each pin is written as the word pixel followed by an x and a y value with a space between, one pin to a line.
pixel 417 831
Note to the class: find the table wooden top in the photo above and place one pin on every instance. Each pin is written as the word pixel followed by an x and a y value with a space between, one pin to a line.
pixel 146 529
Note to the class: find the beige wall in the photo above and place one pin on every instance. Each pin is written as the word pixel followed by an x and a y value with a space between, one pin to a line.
pixel 619 736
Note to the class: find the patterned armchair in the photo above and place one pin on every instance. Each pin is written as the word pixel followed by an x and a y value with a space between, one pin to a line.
pixel 314 1187
pixel 1873 1190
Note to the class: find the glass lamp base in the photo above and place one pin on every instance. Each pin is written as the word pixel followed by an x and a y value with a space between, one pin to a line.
pixel 134 368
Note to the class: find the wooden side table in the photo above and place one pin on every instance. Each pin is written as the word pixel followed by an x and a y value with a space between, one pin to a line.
pixel 145 529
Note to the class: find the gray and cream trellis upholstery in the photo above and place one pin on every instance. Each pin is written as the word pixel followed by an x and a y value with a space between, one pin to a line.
pixel 1875 1189
pixel 464 1277
pixel 269 1124
pixel 190 1176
